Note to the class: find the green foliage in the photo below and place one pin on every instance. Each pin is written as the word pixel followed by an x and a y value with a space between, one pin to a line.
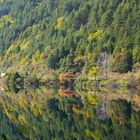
pixel 123 61
pixel 70 28
pixel 14 77
pixel 136 54
pixel 43 114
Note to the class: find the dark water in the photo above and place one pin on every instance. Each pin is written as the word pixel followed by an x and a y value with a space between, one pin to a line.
pixel 48 114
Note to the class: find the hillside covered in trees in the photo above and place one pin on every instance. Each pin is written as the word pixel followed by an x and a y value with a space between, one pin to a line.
pixel 43 36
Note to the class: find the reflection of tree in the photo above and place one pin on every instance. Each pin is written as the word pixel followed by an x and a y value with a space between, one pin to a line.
pixel 44 114
pixel 102 109
pixel 7 129
pixel 66 92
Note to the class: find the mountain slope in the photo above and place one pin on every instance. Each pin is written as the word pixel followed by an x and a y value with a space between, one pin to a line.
pixel 70 36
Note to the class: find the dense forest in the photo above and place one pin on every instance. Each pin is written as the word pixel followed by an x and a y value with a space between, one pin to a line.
pixel 39 37
pixel 69 69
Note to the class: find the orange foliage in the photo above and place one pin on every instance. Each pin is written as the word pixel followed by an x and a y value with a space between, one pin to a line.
pixel 66 93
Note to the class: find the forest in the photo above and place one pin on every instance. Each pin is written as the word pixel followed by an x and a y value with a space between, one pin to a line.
pixel 69 69
pixel 48 37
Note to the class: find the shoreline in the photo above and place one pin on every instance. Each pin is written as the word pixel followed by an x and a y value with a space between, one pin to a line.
pixel 115 81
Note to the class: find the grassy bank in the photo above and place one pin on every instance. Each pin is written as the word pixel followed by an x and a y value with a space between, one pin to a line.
pixel 118 81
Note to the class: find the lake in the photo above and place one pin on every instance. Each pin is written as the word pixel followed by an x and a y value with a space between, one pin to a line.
pixel 61 114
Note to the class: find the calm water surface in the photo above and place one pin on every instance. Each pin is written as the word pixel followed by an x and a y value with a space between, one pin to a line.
pixel 48 114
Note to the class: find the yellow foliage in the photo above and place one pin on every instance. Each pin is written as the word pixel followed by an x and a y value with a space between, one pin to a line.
pixel 123 50
pixel 34 29
pixel 22 119
pixel 24 45
pixel 76 110
pixel 34 62
pixel 95 36
pixel 93 72
pixel 94 134
pixel 5 18
pixel 32 104
pixel 42 56
pixel 37 54
pixel 78 58
pixel 22 103
pixel 11 48
pixel 69 30
pixel 88 114
pixel 23 61
pixel 90 36
pixel 90 56
pixel 60 23
pixel 98 34
pixel 92 100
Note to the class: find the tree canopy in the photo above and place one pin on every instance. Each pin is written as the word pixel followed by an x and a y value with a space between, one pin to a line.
pixel 54 33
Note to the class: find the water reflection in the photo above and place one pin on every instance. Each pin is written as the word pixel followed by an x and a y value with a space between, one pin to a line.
pixel 49 114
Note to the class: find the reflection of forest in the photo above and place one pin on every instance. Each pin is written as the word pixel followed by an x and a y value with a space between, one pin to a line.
pixel 66 92
pixel 50 114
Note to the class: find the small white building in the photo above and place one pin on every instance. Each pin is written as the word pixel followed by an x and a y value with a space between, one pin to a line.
pixel 1 88
pixel 2 74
